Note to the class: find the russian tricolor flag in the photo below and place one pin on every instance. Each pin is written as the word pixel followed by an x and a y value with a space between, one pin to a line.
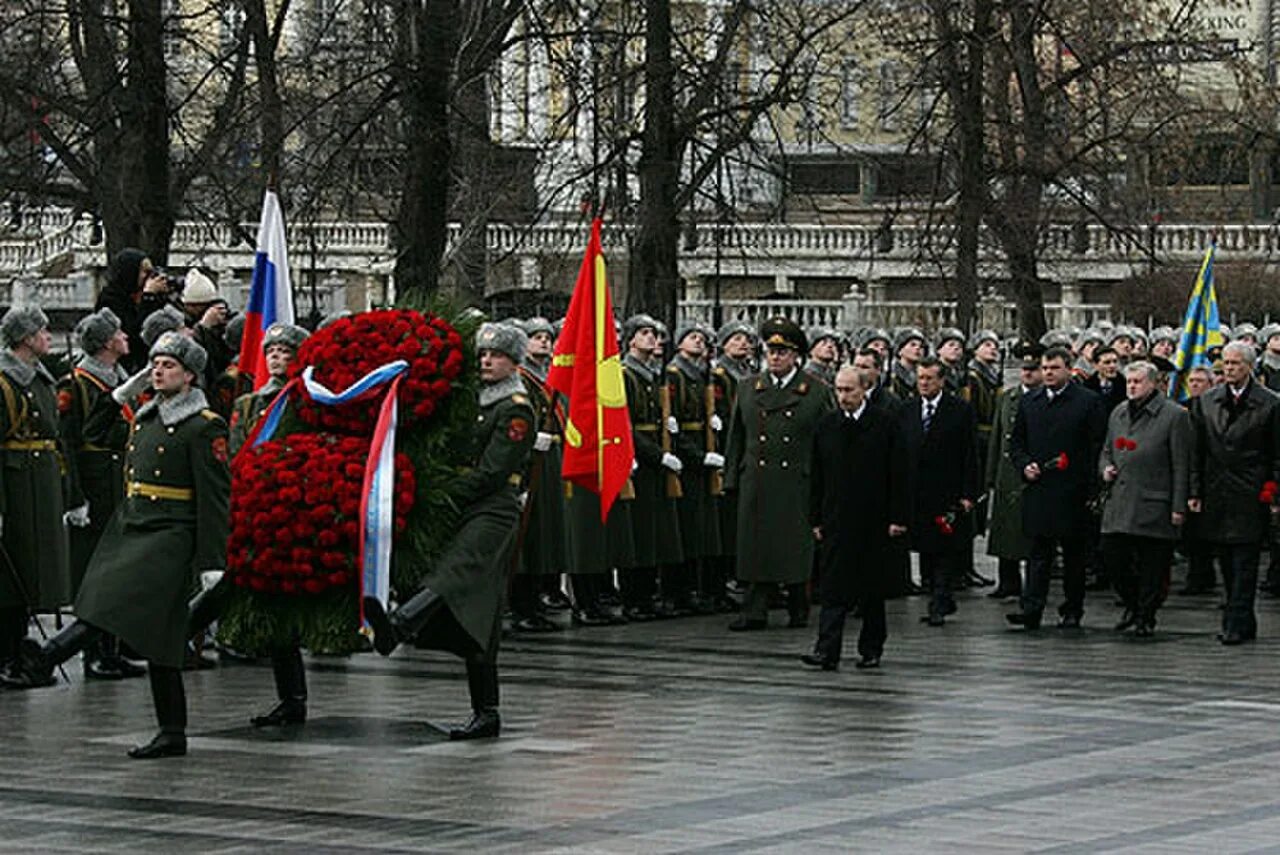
pixel 270 295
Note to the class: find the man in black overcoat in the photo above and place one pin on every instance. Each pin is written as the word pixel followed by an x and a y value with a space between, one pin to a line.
pixel 1059 418
pixel 1236 452
pixel 940 434
pixel 858 502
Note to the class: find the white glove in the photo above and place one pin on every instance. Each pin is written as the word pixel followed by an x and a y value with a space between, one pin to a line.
pixel 523 498
pixel 673 426
pixel 635 464
pixel 78 517
pixel 1 525
pixel 716 424
pixel 542 441
pixel 209 578
pixel 132 388
pixel 713 460
pixel 672 462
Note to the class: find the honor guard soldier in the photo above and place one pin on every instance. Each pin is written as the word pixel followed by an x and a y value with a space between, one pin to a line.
pixel 824 355
pixel 232 382
pixel 982 385
pixel 732 367
pixel 280 345
pixel 172 524
pixel 95 432
pixel 769 445
pixel 908 349
pixel 949 349
pixel 459 606
pixel 543 554
pixel 36 572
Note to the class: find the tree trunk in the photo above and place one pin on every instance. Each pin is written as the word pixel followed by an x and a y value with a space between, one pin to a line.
pixel 1024 281
pixel 427 49
pixel 270 104
pixel 972 184
pixel 654 280
pixel 475 187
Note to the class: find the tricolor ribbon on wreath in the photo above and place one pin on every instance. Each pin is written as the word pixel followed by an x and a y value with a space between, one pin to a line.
pixel 377 515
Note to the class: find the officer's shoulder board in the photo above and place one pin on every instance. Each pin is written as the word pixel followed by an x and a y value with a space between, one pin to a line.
pixel 210 416
pixel 518 398
pixel 719 371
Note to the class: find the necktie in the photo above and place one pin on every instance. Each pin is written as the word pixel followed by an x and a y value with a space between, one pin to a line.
pixel 777 382
pixel 928 416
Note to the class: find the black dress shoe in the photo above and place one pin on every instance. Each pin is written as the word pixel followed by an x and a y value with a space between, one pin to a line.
pixel 385 638
pixel 484 724
pixel 163 745
pixel 639 614
pixel 589 617
pixel 866 662
pixel 743 624
pixel 949 608
pixel 535 623
pixel 1069 622
pixel 977 580
pixel 1144 630
pixel 130 670
pixel 101 668
pixel 1023 619
pixel 555 602
pixel 29 670
pixel 1127 620
pixel 1231 639
pixel 813 660
pixel 289 711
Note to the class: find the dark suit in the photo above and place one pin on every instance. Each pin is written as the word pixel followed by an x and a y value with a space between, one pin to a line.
pixel 1113 397
pixel 1055 507
pixel 899 556
pixel 858 487
pixel 943 470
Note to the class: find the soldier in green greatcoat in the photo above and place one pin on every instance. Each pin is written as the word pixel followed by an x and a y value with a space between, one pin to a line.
pixel 172 524
pixel 95 433
pixel 769 445
pixel 280 345
pixel 35 574
pixel 459 606
pixel 687 379
pixel 733 366
pixel 543 553
pixel 1005 539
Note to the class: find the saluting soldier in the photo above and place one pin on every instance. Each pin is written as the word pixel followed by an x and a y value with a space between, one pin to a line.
pixel 32 531
pixel 687 380
pixel 769 444
pixel 543 553
pixel 459 605
pixel 173 522
pixel 95 433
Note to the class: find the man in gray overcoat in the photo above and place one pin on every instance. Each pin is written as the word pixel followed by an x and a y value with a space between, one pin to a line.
pixel 1146 460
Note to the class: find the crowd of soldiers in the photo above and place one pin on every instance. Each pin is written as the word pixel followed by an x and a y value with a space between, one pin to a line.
pixel 773 467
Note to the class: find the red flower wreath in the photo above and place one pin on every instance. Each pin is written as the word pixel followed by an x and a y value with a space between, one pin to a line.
pixel 295 513
pixel 349 348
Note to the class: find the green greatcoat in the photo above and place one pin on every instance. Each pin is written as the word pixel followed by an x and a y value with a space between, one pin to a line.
pixel 247 410
pixel 95 433
pixel 31 488
pixel 699 525
pixel 770 444
pixel 726 392
pixel 654 522
pixel 1004 527
pixel 471 574
pixel 171 525
pixel 544 547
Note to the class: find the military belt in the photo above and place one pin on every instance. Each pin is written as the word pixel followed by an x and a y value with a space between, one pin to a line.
pixel 644 428
pixel 89 446
pixel 159 491
pixel 30 445
pixel 691 426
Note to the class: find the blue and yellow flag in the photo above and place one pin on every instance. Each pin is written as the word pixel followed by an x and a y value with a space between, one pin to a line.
pixel 1200 328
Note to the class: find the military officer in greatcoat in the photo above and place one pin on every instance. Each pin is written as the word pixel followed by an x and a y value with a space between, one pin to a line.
pixel 36 576
pixel 172 524
pixel 459 605
pixel 1004 483
pixel 543 553
pixel 95 433
pixel 695 444
pixel 769 444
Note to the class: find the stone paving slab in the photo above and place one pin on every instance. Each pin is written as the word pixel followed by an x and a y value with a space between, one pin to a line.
pixel 681 737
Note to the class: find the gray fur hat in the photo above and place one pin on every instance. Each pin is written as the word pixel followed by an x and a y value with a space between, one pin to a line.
pixel 983 335
pixel 687 329
pixel 1164 334
pixel 94 331
pixel 182 348
pixel 817 334
pixel 1267 332
pixel 905 335
pixel 1055 338
pixel 870 334
pixel 536 325
pixel 234 333
pixel 1092 335
pixel 1119 333
pixel 159 322
pixel 732 328
pixel 1243 329
pixel 633 325
pixel 947 334
pixel 661 329
pixel 17 324
pixel 289 335
pixel 503 338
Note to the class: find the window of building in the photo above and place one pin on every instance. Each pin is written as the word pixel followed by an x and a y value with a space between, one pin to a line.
pixel 850 94
pixel 824 176
pixel 890 101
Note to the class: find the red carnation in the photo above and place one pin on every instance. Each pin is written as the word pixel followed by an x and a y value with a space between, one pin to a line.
pixel 1268 494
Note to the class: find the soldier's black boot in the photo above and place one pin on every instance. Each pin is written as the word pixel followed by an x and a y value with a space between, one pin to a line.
pixel 482 681
pixel 170 699
pixel 291 689
pixel 33 669
pixel 392 630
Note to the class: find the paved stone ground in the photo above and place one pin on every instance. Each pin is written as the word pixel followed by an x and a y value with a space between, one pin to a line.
pixel 681 737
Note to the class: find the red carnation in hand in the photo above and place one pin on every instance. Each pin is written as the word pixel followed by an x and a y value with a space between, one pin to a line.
pixel 1123 443
pixel 1062 460
pixel 1268 494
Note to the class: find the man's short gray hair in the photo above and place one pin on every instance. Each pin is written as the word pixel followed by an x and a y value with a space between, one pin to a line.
pixel 864 378
pixel 1246 351
pixel 1143 367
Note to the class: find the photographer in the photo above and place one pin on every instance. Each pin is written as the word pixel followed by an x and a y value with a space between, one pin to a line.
pixel 207 315
pixel 134 290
